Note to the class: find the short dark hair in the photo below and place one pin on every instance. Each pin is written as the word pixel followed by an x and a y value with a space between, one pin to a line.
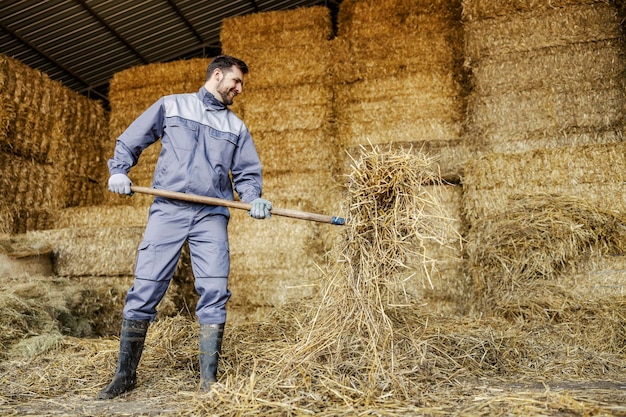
pixel 225 63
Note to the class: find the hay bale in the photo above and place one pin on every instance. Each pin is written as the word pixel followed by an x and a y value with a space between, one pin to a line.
pixel 100 216
pixel 521 259
pixel 52 134
pixel 474 10
pixel 428 107
pixel 586 65
pixel 540 28
pixel 92 251
pixel 528 141
pixel 20 256
pixel 301 106
pixel 286 48
pixel 547 110
pixel 291 150
pixel 412 37
pixel 592 172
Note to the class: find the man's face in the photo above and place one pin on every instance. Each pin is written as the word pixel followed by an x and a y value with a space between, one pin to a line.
pixel 230 83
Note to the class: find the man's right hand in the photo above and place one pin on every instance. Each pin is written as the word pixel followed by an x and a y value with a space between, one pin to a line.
pixel 120 183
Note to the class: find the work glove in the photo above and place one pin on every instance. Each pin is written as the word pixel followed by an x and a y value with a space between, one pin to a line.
pixel 120 183
pixel 260 209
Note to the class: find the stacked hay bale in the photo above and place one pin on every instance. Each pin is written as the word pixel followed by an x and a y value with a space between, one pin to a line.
pixel 51 153
pixel 95 246
pixel 545 201
pixel 400 82
pixel 287 105
pixel 549 256
pixel 399 76
pixel 544 75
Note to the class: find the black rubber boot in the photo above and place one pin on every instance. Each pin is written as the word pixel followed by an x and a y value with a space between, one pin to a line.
pixel 210 349
pixel 132 340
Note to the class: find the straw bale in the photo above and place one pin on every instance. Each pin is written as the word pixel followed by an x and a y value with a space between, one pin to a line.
pixel 100 216
pixel 426 107
pixel 170 77
pixel 546 109
pixel 592 164
pixel 474 10
pixel 92 251
pixel 358 18
pixel 316 191
pixel 52 124
pixel 448 156
pixel 301 106
pixel 356 58
pixel 542 28
pixel 521 259
pixel 20 257
pixel 587 65
pixel 432 84
pixel 404 26
pixel 285 66
pixel 287 47
pixel 28 183
pixel 15 218
pixel 423 118
pixel 292 150
pixel 285 28
pixel 375 132
pixel 522 142
pixel 479 203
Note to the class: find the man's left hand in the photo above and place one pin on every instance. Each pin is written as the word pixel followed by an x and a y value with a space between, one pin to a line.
pixel 260 209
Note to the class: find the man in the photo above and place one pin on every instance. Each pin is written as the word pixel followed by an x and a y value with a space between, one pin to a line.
pixel 202 143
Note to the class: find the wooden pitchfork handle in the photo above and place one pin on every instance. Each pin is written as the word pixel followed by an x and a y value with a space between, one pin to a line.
pixel 213 201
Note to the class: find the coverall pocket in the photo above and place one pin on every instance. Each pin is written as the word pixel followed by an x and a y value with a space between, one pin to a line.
pixel 182 134
pixel 222 145
pixel 156 262
pixel 210 259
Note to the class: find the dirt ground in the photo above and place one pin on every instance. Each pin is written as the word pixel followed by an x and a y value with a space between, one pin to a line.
pixel 477 398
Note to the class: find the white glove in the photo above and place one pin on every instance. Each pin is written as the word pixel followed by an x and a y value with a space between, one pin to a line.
pixel 120 183
pixel 260 209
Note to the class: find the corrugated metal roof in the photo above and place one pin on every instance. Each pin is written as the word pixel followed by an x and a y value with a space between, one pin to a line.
pixel 82 43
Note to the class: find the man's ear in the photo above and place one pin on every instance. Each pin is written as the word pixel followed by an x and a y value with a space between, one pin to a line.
pixel 218 74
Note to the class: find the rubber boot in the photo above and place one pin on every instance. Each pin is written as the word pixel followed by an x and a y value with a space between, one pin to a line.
pixel 132 340
pixel 210 349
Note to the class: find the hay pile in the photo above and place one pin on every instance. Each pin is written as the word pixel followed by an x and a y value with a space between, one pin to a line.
pixel 360 347
pixel 51 153
pixel 399 77
pixel 287 105
pixel 544 75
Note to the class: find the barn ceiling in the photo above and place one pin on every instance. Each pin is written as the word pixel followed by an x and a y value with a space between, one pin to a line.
pixel 82 43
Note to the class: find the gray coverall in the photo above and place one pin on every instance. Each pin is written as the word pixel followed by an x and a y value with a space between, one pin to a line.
pixel 202 142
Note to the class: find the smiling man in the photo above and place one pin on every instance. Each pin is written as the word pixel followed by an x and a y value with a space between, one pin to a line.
pixel 204 144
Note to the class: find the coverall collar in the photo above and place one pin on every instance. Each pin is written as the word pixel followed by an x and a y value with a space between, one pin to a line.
pixel 209 100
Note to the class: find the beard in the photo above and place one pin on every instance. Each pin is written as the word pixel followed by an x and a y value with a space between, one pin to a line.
pixel 226 94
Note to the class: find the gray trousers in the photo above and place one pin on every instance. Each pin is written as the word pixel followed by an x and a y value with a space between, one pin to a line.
pixel 170 224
